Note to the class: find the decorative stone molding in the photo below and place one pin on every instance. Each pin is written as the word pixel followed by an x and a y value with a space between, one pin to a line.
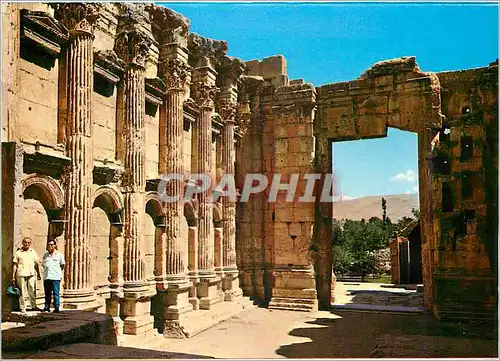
pixel 156 198
pixel 49 186
pixel 43 30
pixel 191 212
pixel 50 164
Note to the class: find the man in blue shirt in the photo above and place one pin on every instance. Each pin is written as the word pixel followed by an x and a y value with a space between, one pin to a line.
pixel 53 265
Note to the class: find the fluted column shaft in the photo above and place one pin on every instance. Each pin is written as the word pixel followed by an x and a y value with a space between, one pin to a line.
pixel 134 182
pixel 79 148
pixel 228 206
pixel 176 260
pixel 205 236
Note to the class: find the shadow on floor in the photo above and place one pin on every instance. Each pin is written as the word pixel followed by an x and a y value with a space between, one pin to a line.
pixel 356 334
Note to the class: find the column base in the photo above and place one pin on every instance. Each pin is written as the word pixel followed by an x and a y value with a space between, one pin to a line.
pixel 84 300
pixel 231 286
pixel 136 308
pixel 177 301
pixel 294 290
pixel 209 292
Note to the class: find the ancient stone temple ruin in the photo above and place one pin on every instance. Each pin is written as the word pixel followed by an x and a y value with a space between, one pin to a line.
pixel 101 100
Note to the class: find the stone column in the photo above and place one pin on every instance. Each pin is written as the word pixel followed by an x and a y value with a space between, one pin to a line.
pixel 79 19
pixel 175 74
pixel 204 94
pixel 230 284
pixel 132 46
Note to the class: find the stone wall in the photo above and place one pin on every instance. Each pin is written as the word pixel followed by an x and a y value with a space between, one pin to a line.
pixel 102 99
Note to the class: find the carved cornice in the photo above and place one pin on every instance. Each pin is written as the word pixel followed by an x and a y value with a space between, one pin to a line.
pixel 42 29
pixel 175 73
pixel 109 66
pixel 168 26
pixel 201 47
pixel 204 94
pixel 77 17
pixel 107 173
pixel 155 90
pixel 132 46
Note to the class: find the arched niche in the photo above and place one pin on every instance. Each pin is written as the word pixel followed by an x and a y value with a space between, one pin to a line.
pixel 153 247
pixel 43 202
pixel 106 238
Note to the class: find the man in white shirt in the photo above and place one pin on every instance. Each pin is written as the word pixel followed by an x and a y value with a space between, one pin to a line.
pixel 25 267
pixel 53 265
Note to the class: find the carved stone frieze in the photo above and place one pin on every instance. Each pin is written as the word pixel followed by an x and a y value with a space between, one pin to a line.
pixel 201 47
pixel 168 26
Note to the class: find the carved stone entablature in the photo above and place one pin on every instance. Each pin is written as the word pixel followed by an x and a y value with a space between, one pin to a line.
pixel 44 162
pixel 42 30
pixel 155 90
pixel 77 17
pixel 175 73
pixel 230 70
pixel 132 46
pixel 109 66
pixel 168 26
pixel 201 47
pixel 106 173
pixel 204 94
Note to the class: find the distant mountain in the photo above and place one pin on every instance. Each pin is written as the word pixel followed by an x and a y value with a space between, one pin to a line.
pixel 398 206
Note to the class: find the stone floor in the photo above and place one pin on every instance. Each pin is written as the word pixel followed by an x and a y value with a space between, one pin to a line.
pixel 264 333
pixel 377 294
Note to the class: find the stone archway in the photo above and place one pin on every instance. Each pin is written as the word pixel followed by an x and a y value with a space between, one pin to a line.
pixel 42 215
pixel 106 240
pixel 393 93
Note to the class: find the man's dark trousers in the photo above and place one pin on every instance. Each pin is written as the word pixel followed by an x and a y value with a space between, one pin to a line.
pixel 51 287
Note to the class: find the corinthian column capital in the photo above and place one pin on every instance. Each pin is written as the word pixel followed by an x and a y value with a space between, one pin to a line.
pixel 132 46
pixel 175 73
pixel 204 94
pixel 77 17
pixel 227 111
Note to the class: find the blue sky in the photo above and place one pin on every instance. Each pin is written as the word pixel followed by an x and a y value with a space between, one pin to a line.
pixel 331 42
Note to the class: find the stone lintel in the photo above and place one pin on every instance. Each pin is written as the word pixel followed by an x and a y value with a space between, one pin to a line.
pixel 106 173
pixel 44 31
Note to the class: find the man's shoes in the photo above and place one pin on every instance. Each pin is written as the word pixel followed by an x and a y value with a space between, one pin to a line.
pixel 46 310
pixel 23 312
pixel 56 311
